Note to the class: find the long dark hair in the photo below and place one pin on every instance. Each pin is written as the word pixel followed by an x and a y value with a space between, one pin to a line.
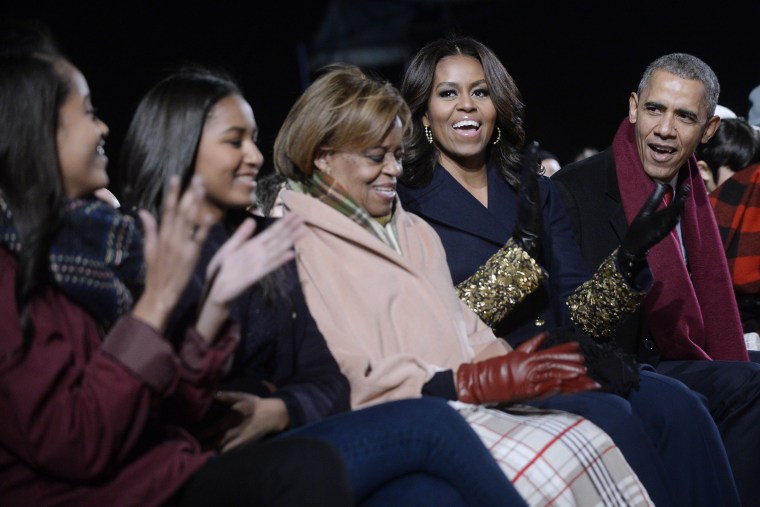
pixel 163 140
pixel 420 157
pixel 163 137
pixel 32 90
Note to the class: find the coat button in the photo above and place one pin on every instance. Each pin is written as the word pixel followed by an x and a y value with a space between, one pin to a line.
pixel 648 344
pixel 539 322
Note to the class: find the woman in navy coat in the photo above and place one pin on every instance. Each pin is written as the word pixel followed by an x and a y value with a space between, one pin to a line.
pixel 461 174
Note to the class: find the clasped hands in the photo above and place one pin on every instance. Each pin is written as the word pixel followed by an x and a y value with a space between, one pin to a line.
pixel 241 418
pixel 525 373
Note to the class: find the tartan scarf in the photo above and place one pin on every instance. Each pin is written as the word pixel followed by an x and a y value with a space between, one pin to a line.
pixel 324 187
pixel 689 317
pixel 737 210
pixel 96 257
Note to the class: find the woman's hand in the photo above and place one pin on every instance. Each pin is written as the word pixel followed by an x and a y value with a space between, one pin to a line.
pixel 107 197
pixel 241 262
pixel 525 373
pixel 171 252
pixel 257 417
pixel 529 225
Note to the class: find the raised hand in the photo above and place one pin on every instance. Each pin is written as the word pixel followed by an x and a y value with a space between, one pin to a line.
pixel 241 262
pixel 527 233
pixel 171 252
pixel 648 229
pixel 524 373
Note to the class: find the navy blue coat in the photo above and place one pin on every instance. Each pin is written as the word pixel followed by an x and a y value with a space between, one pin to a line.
pixel 471 233
pixel 280 344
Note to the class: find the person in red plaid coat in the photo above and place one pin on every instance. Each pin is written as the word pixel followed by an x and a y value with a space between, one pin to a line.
pixel 737 210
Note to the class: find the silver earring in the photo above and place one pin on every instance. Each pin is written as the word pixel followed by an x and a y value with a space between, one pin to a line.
pixel 498 136
pixel 429 134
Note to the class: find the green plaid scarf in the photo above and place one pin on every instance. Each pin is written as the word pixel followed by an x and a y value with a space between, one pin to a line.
pixel 324 187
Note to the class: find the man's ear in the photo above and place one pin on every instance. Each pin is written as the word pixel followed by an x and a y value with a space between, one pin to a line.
pixel 712 127
pixel 322 162
pixel 704 170
pixel 633 104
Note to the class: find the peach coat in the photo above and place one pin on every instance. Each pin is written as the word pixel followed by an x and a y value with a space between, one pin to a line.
pixel 391 321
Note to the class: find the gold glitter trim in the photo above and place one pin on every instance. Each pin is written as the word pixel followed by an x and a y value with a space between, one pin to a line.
pixel 599 305
pixel 501 283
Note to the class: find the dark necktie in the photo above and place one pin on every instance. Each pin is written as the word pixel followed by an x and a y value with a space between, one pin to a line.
pixel 668 196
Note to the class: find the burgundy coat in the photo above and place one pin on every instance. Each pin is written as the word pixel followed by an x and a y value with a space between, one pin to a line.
pixel 84 420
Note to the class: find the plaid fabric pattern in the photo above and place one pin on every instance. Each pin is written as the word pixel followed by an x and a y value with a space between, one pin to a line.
pixel 555 458
pixel 737 210
pixel 96 257
pixel 326 189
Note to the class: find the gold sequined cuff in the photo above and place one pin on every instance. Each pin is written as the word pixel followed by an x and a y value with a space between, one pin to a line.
pixel 599 305
pixel 501 283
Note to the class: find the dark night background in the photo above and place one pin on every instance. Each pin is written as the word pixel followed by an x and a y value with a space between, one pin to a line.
pixel 574 62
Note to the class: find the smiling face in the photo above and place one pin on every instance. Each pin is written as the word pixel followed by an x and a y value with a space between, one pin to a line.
pixel 671 119
pixel 369 176
pixel 228 158
pixel 80 138
pixel 460 112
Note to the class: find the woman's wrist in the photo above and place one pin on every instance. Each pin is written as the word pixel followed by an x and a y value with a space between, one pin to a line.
pixel 210 320
pixel 152 310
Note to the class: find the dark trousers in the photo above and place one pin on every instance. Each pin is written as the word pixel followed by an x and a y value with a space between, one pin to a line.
pixel 666 434
pixel 286 472
pixel 732 391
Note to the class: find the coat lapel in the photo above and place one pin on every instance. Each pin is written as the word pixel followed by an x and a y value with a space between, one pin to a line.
pixel 445 201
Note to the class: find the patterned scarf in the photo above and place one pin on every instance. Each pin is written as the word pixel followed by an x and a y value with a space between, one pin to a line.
pixel 689 317
pixel 324 187
pixel 96 257
pixel 737 209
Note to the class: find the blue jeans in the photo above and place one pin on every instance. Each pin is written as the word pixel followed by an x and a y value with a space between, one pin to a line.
pixel 666 434
pixel 409 450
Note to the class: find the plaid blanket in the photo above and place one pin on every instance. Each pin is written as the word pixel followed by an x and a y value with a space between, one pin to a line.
pixel 737 210
pixel 555 458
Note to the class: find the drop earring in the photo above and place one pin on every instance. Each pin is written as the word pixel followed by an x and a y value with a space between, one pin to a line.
pixel 498 136
pixel 429 134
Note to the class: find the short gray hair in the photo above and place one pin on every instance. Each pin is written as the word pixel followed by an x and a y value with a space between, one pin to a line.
pixel 686 66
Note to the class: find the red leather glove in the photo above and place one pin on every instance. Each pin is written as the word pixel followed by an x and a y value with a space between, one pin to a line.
pixel 524 373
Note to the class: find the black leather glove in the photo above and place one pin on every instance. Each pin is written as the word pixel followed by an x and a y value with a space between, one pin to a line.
pixel 648 229
pixel 616 371
pixel 528 229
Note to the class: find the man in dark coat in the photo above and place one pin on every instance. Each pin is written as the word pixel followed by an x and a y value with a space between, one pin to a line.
pixel 688 326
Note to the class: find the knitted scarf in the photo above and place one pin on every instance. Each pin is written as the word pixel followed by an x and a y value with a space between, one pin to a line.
pixel 324 187
pixel 690 318
pixel 96 257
